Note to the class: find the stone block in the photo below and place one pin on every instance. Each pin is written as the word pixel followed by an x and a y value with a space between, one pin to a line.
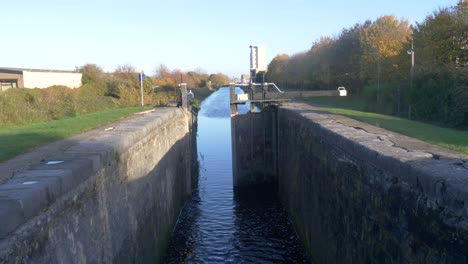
pixel 24 198
pixel 81 168
pixel 11 215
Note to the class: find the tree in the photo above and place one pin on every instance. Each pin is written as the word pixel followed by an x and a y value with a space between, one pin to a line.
pixel 91 73
pixel 277 68
pixel 442 39
pixel 219 79
pixel 126 72
pixel 164 77
pixel 386 38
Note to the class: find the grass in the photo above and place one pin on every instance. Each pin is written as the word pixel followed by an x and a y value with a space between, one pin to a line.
pixel 456 140
pixel 15 139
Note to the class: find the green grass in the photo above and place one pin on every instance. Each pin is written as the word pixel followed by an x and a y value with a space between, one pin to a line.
pixel 337 102
pixel 15 139
pixel 456 140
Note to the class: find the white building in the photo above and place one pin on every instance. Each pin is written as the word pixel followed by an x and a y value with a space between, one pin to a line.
pixel 34 78
pixel 258 58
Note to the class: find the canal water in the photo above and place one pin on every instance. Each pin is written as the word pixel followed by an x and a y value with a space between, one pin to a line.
pixel 218 225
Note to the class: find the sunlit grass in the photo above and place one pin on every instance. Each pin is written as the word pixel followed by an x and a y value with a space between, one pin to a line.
pixel 453 139
pixel 15 139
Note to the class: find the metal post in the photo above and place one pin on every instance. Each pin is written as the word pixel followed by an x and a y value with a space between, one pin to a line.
pixel 264 92
pixel 411 52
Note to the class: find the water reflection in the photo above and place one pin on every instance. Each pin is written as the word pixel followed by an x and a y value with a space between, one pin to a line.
pixel 218 226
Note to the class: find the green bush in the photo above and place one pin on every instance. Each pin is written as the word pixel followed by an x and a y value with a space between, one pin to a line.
pixel 441 96
pixel 388 101
pixel 100 91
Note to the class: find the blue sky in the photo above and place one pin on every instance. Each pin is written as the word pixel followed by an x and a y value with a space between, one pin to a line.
pixel 207 34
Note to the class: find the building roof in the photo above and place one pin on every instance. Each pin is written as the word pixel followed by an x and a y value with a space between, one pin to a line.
pixel 21 70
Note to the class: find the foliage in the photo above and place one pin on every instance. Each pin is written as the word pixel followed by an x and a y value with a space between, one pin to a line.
pixel 99 91
pixel 374 54
pixel 442 39
pixel 167 79
pixel 442 96
pixel 218 79
pixel 91 73
pixel 19 106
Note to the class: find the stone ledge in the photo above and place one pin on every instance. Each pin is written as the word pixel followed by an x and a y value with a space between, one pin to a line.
pixel 32 190
pixel 440 174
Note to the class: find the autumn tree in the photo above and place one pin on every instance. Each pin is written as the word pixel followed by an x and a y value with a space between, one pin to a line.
pixel 384 40
pixel 164 78
pixel 218 79
pixel 126 72
pixel 277 68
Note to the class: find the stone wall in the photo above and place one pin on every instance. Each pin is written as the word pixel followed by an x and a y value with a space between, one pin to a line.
pixel 114 199
pixel 254 148
pixel 361 194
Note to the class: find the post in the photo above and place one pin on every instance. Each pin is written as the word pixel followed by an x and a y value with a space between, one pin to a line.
pixel 264 92
pixel 411 52
pixel 183 96
pixel 232 93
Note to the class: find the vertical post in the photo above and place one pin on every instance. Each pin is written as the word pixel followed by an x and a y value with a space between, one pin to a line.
pixel 252 96
pixel 183 96
pixel 264 92
pixel 232 95
pixel 411 79
pixel 141 87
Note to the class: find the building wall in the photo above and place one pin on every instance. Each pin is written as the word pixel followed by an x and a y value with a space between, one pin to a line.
pixel 12 76
pixel 262 63
pixel 43 79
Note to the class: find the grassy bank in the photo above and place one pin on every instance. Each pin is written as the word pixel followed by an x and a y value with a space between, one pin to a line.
pixel 15 139
pixel 456 140
pixel 28 106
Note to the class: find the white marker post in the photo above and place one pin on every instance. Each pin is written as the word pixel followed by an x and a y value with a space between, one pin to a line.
pixel 141 77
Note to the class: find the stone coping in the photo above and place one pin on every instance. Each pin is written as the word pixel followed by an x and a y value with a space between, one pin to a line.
pixel 51 171
pixel 439 173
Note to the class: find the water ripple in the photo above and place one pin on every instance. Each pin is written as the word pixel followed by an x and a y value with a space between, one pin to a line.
pixel 219 225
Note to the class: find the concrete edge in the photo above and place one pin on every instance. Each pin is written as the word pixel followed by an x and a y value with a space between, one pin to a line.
pixel 439 173
pixel 33 190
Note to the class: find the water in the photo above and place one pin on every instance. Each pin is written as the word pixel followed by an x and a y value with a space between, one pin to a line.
pixel 220 226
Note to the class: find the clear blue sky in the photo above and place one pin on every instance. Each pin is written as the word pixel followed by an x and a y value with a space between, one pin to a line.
pixel 213 35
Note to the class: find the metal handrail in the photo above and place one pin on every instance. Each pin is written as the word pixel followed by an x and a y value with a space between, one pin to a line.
pixel 260 84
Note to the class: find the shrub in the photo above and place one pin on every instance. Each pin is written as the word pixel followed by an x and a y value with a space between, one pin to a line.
pixel 441 96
